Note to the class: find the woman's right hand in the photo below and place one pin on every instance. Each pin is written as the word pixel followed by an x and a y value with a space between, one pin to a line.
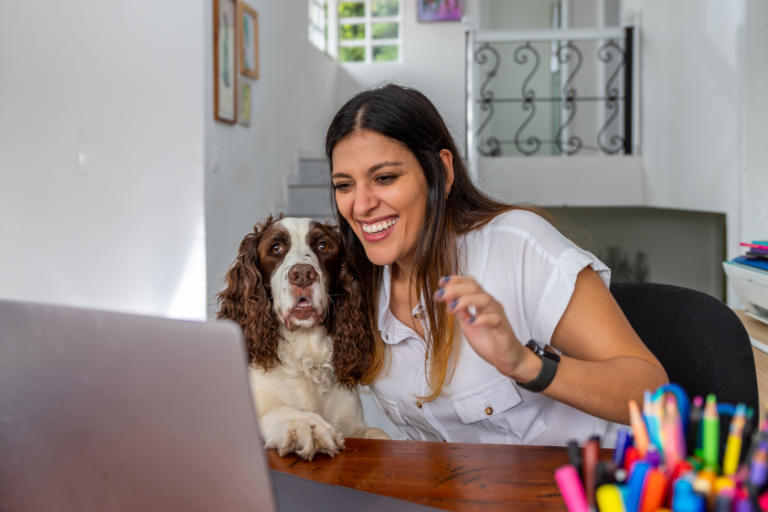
pixel 488 331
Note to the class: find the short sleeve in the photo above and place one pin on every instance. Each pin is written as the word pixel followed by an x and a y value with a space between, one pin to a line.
pixel 531 268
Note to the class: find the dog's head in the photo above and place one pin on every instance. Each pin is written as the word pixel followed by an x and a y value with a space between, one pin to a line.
pixel 290 273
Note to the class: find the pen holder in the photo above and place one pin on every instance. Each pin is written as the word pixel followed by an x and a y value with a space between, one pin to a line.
pixel 674 457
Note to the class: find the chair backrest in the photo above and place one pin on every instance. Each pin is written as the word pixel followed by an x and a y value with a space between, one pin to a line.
pixel 700 341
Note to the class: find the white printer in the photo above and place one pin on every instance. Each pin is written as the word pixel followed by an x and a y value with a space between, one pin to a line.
pixel 751 285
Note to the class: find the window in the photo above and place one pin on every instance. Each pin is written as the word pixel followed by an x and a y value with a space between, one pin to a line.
pixel 318 24
pixel 369 31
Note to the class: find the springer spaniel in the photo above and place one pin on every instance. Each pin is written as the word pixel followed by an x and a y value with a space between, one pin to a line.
pixel 309 341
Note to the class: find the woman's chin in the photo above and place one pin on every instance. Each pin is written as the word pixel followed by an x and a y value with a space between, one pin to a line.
pixel 380 257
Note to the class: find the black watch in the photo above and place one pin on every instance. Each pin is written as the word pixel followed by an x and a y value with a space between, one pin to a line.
pixel 549 362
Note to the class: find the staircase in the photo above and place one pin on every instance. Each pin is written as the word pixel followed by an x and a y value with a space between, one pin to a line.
pixel 308 192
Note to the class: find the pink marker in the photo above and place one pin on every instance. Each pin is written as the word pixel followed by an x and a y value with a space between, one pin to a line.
pixel 571 488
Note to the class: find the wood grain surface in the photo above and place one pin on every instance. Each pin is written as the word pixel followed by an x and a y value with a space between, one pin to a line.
pixel 450 476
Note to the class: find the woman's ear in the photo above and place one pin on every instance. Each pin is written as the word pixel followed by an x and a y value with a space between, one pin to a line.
pixel 447 158
pixel 246 301
pixel 349 327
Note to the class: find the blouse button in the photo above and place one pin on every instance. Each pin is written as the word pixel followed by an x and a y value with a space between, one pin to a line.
pixel 418 404
pixel 489 410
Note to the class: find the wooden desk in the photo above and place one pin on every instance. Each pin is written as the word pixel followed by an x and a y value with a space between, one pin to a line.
pixel 758 332
pixel 450 476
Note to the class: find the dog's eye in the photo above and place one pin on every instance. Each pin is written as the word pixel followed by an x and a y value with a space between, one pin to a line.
pixel 322 247
pixel 276 248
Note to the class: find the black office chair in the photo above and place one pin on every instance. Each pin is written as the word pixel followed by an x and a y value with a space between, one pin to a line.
pixel 700 341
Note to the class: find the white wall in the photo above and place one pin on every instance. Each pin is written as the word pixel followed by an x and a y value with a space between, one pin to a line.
pixel 691 91
pixel 433 62
pixel 122 80
pixel 755 197
pixel 293 102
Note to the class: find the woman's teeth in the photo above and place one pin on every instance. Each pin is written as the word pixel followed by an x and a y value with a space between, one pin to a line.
pixel 373 229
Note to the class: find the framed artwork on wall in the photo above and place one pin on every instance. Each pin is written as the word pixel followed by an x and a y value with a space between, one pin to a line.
pixel 224 62
pixel 244 105
pixel 439 10
pixel 248 40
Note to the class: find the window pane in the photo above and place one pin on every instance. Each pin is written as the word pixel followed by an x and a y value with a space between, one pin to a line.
pixel 385 30
pixel 352 53
pixel 352 31
pixel 384 7
pixel 351 9
pixel 385 53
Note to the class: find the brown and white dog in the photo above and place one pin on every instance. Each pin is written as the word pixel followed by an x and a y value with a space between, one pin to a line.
pixel 302 315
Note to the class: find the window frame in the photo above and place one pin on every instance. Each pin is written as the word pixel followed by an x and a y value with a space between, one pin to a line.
pixel 368 42
pixel 315 28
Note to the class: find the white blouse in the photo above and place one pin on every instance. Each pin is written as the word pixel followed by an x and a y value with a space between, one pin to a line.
pixel 530 268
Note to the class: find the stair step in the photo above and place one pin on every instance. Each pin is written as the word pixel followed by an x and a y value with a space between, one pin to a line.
pixel 309 200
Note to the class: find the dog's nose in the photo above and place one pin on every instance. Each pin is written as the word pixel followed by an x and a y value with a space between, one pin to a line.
pixel 302 275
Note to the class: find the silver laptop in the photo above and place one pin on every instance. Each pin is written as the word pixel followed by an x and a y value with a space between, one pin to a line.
pixel 104 411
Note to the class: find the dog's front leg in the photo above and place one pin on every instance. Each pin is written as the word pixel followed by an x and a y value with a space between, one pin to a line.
pixel 288 429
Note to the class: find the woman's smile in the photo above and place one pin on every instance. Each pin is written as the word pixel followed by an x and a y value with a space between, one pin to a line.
pixel 377 229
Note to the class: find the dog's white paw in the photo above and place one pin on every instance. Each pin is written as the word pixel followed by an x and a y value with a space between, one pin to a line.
pixel 306 436
pixel 375 433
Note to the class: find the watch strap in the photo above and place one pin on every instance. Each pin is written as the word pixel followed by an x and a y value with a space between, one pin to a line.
pixel 546 374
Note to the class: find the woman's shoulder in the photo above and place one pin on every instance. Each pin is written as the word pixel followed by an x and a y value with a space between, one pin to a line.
pixel 519 231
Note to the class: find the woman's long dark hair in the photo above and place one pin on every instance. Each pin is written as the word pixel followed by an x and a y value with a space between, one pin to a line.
pixel 407 116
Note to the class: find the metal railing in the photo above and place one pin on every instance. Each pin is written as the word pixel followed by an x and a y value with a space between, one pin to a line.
pixel 502 113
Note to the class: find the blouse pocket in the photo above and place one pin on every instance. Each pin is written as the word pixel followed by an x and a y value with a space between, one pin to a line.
pixel 390 409
pixel 498 413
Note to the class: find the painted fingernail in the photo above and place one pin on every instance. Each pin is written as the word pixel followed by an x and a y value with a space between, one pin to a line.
pixel 454 304
pixel 440 294
pixel 472 319
pixel 444 280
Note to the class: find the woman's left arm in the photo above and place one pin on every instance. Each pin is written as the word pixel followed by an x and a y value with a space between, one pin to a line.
pixel 603 365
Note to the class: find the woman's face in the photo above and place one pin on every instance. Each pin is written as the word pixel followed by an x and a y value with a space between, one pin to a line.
pixel 381 191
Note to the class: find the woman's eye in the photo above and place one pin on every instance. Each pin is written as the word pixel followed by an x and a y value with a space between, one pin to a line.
pixel 341 187
pixel 386 178
pixel 322 247
pixel 276 248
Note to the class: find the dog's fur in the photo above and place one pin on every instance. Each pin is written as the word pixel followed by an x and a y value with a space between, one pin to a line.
pixel 301 310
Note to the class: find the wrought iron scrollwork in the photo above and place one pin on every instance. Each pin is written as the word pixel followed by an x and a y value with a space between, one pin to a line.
pixel 567 138
pixel 486 98
pixel 605 54
pixel 574 142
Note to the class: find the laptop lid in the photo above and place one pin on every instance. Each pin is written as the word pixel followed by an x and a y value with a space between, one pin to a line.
pixel 107 411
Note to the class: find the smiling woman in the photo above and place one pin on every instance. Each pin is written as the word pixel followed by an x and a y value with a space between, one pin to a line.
pixel 457 283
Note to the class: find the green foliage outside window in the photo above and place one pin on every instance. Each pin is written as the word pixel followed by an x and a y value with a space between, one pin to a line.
pixel 352 53
pixel 351 9
pixel 352 31
pixel 384 7
pixel 385 53
pixel 384 30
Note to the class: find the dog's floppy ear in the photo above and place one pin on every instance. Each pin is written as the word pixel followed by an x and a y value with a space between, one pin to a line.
pixel 246 301
pixel 350 328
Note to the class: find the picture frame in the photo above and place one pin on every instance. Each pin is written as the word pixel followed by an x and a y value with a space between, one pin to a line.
pixel 244 104
pixel 439 10
pixel 224 60
pixel 248 40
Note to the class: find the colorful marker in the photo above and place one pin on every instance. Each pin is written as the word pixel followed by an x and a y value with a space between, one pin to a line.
pixel 609 498
pixel 733 446
pixel 711 429
pixel 758 473
pixel 638 428
pixel 590 455
pixel 622 443
pixel 694 424
pixel 672 428
pixel 653 493
pixel 651 419
pixel 569 483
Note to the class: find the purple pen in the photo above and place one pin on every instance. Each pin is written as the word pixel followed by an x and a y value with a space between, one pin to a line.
pixel 758 469
pixel 653 456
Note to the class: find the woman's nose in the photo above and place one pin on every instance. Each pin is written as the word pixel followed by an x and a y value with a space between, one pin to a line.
pixel 365 201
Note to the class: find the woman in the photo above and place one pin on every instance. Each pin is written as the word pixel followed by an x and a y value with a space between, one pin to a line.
pixel 458 284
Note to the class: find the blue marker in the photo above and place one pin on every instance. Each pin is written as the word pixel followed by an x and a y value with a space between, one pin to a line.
pixel 622 442
pixel 636 483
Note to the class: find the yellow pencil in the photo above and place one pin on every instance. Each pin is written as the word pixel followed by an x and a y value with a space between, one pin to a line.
pixel 733 446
